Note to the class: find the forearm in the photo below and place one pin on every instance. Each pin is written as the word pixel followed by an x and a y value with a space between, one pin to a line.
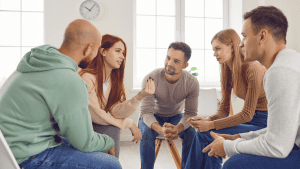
pixel 179 127
pixel 99 116
pixel 156 127
pixel 253 134
pixel 79 131
pixel 221 113
pixel 125 109
pixel 229 121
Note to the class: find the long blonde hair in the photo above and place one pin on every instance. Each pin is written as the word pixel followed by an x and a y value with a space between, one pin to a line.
pixel 231 78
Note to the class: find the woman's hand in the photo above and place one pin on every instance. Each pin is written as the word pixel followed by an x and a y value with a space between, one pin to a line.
pixel 197 118
pixel 201 124
pixel 136 133
pixel 148 90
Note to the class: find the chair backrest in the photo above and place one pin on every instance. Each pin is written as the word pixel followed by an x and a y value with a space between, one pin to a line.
pixel 208 103
pixel 7 159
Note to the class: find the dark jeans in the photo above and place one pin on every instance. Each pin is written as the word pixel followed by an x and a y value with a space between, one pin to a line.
pixel 66 156
pixel 147 145
pixel 198 160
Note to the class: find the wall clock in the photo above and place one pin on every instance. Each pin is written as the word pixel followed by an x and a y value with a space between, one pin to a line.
pixel 89 9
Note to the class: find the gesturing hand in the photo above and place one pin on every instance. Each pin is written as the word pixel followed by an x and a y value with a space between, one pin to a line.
pixel 216 147
pixel 148 90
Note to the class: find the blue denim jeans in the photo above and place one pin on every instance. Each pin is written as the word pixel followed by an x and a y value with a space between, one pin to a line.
pixel 66 156
pixel 247 161
pixel 147 145
pixel 198 160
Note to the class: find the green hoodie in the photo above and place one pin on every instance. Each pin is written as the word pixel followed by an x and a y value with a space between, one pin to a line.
pixel 46 85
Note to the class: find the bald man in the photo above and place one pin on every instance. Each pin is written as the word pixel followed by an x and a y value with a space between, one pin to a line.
pixel 45 98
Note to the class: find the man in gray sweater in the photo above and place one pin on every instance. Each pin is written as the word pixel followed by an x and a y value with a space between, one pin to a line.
pixel 264 33
pixel 161 113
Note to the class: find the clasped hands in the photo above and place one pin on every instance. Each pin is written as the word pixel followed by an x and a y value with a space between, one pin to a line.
pixel 216 148
pixel 169 131
pixel 201 124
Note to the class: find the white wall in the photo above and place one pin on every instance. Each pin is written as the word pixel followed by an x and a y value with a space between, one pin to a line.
pixel 117 19
pixel 290 9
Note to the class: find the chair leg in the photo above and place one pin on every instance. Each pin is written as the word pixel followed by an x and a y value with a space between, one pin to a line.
pixel 157 147
pixel 174 153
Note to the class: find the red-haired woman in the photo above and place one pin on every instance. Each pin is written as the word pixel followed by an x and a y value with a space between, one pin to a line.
pixel 108 106
pixel 245 79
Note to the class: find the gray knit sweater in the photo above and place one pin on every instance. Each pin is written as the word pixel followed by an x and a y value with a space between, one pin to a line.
pixel 169 99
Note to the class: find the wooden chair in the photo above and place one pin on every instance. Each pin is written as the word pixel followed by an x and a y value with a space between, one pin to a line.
pixel 172 147
pixel 208 104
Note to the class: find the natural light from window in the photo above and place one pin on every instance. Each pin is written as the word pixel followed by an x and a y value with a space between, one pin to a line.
pixel 161 22
pixel 22 28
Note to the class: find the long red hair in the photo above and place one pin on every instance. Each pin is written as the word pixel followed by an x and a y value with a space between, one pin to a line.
pixel 97 68
pixel 230 79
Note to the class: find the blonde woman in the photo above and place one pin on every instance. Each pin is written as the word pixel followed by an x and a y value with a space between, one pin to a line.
pixel 245 80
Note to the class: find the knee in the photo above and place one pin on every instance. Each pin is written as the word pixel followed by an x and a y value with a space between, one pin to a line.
pixel 114 164
pixel 188 133
pixel 229 164
pixel 108 162
pixel 148 134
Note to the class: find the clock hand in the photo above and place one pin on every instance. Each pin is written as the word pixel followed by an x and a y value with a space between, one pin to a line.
pixel 93 6
pixel 87 8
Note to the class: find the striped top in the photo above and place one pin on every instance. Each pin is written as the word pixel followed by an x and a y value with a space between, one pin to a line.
pixel 250 90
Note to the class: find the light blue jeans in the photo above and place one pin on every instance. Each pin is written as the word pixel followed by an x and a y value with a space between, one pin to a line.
pixel 198 160
pixel 147 145
pixel 66 156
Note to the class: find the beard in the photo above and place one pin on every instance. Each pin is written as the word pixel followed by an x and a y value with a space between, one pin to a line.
pixel 84 63
pixel 170 71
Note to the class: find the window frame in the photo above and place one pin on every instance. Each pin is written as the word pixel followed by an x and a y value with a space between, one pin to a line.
pixel 21 11
pixel 179 36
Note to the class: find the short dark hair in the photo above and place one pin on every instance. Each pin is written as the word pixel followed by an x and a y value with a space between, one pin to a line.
pixel 271 18
pixel 185 48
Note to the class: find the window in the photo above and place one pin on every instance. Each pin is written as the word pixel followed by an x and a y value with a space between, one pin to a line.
pixel 159 23
pixel 22 28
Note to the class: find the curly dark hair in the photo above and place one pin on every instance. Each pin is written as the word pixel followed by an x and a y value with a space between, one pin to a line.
pixel 185 48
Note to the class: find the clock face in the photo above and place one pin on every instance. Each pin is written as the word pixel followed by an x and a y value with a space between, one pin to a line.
pixel 89 9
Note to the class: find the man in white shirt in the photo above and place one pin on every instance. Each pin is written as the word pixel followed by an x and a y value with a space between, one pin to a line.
pixel 277 145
